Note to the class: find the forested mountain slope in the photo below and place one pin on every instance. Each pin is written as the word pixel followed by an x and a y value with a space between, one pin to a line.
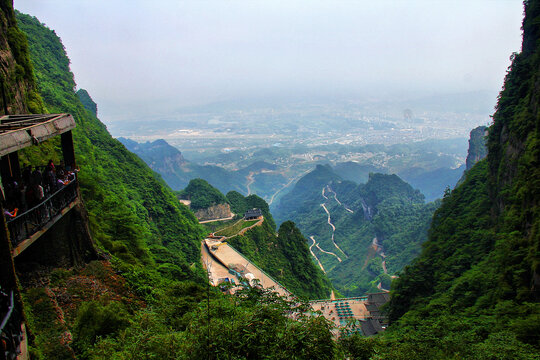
pixel 144 302
pixel 361 234
pixel 474 290
pixel 284 254
pixel 132 212
pixel 177 171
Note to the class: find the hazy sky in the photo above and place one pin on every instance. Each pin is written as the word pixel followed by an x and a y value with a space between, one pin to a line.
pixel 155 56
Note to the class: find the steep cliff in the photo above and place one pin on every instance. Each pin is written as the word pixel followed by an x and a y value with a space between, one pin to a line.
pixel 474 290
pixel 17 84
pixel 477 146
pixel 87 101
pixel 132 213
pixel 218 211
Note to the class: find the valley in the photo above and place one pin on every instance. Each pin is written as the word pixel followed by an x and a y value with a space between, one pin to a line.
pixel 267 229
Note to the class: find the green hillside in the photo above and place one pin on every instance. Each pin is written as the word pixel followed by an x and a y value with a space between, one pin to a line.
pixel 474 290
pixel 154 309
pixel 117 186
pixel 385 210
pixel 202 194
pixel 285 256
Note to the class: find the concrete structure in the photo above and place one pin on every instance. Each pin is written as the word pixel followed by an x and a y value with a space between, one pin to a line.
pixel 253 214
pixel 235 263
pixel 19 233
pixel 360 313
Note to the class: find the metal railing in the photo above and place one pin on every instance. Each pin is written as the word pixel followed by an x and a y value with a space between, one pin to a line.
pixel 10 328
pixel 28 223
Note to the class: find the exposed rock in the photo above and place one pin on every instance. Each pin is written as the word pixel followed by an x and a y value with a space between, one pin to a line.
pixel 477 146
pixel 218 211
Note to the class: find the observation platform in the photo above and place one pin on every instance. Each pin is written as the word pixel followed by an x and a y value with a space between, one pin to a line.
pixel 20 131
pixel 35 198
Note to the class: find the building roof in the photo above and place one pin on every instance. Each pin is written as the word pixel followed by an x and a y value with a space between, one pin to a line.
pixel 379 298
pixel 370 327
pixel 20 131
pixel 253 213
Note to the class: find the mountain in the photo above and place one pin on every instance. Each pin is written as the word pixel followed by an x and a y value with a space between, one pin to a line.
pixel 285 256
pixel 474 290
pixel 202 195
pixel 114 182
pixel 477 146
pixel 432 183
pixel 177 171
pixel 360 234
pixel 87 101
pixel 353 171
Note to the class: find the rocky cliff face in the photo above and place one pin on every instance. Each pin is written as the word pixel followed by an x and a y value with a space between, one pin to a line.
pixel 17 86
pixel 477 146
pixel 218 211
pixel 159 155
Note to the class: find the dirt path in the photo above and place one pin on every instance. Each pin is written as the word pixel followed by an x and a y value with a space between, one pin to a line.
pixel 315 256
pixel 241 232
pixel 230 226
pixel 258 223
pixel 222 219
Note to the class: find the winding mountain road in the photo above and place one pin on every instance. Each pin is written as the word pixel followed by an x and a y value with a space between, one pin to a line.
pixel 315 256
pixel 287 185
pixel 335 197
pixel 333 230
pixel 327 252
pixel 250 180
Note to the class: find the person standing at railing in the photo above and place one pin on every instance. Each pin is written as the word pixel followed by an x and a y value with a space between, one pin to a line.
pixel 50 178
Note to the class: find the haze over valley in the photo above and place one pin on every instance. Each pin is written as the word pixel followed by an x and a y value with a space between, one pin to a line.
pixel 269 179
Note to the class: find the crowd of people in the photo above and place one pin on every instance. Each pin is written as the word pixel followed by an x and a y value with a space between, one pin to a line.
pixel 35 185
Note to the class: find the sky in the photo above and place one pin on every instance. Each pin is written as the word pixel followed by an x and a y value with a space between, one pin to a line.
pixel 142 57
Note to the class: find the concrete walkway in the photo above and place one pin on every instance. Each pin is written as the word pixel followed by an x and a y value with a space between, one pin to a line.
pixel 227 255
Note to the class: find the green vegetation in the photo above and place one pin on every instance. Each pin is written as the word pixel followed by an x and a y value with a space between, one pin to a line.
pixel 385 208
pixel 477 146
pixel 18 81
pixel 236 228
pixel 132 213
pixel 154 242
pixel 473 292
pixel 238 202
pixel 214 226
pixel 285 257
pixel 202 194
pixel 87 101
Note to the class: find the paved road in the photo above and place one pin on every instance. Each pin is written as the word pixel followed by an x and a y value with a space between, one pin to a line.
pixel 215 269
pixel 333 229
pixel 315 256
pixel 328 252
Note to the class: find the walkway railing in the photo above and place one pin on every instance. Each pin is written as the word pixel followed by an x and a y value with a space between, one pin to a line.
pixel 28 223
pixel 10 328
